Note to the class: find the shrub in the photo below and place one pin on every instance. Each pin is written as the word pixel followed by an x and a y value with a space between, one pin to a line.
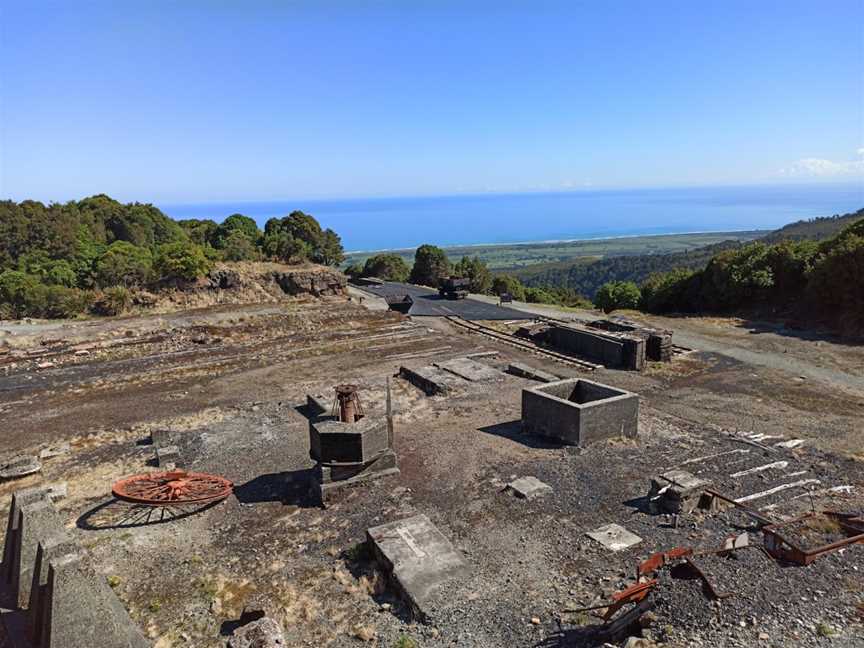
pixel 391 267
pixel 22 294
pixel 113 301
pixel 238 247
pixel 181 261
pixel 124 264
pixel 507 284
pixel 617 294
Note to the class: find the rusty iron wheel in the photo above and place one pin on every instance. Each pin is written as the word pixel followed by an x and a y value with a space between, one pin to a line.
pixel 174 487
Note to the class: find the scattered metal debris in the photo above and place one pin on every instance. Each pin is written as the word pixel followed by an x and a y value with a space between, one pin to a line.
pixel 810 529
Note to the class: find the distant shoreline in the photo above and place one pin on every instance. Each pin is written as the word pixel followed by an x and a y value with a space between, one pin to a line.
pixel 459 246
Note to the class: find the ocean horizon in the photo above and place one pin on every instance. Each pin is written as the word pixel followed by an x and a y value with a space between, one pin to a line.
pixel 376 224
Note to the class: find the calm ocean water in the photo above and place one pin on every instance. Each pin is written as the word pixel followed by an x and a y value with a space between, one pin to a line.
pixel 387 223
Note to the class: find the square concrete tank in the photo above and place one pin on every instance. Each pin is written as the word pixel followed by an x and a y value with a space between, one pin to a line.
pixel 578 411
pixel 334 442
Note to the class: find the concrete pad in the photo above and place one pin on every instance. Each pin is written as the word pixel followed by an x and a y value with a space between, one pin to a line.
pixel 419 559
pixel 614 537
pixel 470 370
pixel 524 371
pixel 431 379
pixel 529 487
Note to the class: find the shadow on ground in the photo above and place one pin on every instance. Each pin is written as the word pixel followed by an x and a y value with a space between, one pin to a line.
pixel 513 430
pixel 291 488
pixel 117 514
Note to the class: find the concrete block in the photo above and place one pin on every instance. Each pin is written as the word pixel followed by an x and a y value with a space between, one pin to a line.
pixel 419 558
pixel 614 537
pixel 616 350
pixel 470 370
pixel 431 379
pixel 49 549
pixel 578 411
pixel 81 611
pixel 524 371
pixel 19 498
pixel 37 521
pixel 529 487
pixel 161 438
pixel 168 457
pixel 676 491
pixel 333 442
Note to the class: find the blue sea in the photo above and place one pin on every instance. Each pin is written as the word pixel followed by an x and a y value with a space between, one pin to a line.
pixel 393 223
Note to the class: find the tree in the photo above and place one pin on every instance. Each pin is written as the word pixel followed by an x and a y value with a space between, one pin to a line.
pixel 664 292
pixel 737 278
pixel 200 232
pixel 391 267
pixel 331 252
pixel 430 265
pixel 123 264
pixel 477 272
pixel 617 294
pixel 281 246
pixel 181 261
pixel 237 247
pixel 508 284
pixel 236 223
pixel 354 270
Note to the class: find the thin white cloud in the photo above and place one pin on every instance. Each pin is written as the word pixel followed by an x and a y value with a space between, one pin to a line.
pixel 820 168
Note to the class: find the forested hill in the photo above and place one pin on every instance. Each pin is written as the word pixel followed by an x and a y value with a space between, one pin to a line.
pixel 586 277
pixel 814 229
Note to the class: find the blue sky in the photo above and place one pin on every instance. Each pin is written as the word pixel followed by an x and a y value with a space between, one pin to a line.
pixel 208 101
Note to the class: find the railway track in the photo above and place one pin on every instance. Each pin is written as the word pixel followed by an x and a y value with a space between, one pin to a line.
pixel 524 345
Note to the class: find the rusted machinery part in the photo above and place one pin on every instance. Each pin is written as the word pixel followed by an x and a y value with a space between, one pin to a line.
pixel 172 488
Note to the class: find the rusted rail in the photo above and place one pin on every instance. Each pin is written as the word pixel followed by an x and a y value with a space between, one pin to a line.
pixel 518 342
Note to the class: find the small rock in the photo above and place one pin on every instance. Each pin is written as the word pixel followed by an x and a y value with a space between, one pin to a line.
pixel 764 636
pixel 264 633
pixel 535 621
pixel 364 633
pixel 45 365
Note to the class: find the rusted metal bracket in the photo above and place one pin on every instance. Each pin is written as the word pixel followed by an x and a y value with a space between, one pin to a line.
pixel 778 544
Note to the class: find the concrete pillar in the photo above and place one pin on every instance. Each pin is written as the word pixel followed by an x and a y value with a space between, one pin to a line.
pixel 53 548
pixel 37 521
pixel 19 498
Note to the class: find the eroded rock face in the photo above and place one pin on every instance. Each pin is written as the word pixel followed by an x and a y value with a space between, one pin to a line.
pixel 318 284
pixel 264 633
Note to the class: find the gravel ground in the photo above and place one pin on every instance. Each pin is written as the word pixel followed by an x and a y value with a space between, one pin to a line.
pixel 232 390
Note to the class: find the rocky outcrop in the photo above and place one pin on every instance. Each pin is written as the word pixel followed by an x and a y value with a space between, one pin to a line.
pixel 318 284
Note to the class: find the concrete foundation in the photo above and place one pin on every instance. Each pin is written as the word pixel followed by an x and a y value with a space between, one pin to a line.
pixel 615 350
pixel 32 518
pixel 418 558
pixel 658 342
pixel 470 370
pixel 578 411
pixel 51 549
pixel 430 379
pixel 524 371
pixel 79 610
pixel 347 454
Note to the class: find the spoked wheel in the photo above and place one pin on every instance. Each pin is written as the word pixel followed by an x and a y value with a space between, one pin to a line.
pixel 177 487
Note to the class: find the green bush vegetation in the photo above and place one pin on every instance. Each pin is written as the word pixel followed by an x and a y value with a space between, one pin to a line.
pixel 617 294
pixel 61 260
pixel 820 282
